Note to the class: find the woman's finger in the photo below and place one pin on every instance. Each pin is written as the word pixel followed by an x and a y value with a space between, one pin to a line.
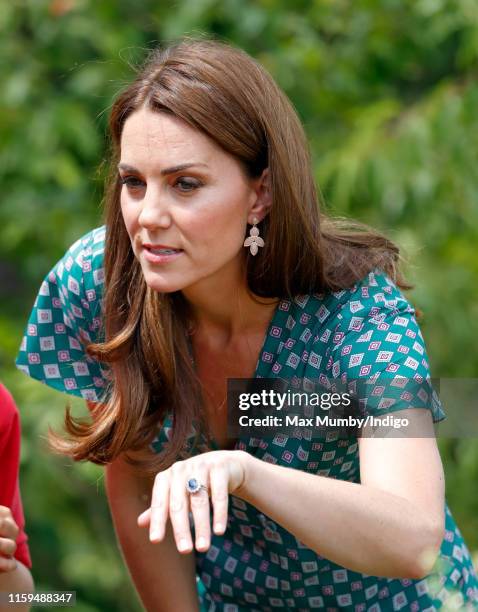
pixel 7 564
pixel 7 546
pixel 159 506
pixel 218 477
pixel 5 512
pixel 179 509
pixel 144 518
pixel 8 527
pixel 200 509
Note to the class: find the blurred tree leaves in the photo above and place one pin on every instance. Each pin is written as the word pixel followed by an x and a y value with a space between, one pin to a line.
pixel 388 95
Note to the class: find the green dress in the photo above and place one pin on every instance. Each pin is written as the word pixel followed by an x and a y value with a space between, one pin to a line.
pixel 367 330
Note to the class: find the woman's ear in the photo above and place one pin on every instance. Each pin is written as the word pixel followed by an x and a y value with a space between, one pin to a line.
pixel 263 198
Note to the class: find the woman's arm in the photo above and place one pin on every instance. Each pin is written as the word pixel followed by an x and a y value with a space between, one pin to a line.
pixel 164 578
pixel 391 524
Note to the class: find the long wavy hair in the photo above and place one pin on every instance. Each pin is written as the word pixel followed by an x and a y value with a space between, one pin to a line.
pixel 228 96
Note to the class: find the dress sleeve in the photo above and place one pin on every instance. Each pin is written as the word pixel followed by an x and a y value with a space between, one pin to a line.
pixel 65 317
pixel 379 351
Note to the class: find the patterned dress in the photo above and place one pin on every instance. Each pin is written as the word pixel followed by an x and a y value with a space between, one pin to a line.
pixel 257 565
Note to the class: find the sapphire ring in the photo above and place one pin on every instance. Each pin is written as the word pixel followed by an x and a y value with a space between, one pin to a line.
pixel 194 486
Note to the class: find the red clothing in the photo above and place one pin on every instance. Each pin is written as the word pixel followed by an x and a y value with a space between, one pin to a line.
pixel 9 462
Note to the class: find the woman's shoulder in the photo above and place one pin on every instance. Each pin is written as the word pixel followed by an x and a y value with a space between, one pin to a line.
pixel 79 274
pixel 66 316
pixel 370 330
pixel 85 255
pixel 374 296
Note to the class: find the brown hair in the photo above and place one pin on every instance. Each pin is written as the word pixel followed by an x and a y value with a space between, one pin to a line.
pixel 227 95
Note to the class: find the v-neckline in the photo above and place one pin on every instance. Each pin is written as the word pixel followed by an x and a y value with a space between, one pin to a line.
pixel 267 334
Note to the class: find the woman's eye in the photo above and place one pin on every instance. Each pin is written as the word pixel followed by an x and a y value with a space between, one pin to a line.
pixel 186 184
pixel 131 181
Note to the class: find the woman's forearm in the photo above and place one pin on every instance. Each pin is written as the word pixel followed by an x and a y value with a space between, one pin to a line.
pixel 165 579
pixel 358 527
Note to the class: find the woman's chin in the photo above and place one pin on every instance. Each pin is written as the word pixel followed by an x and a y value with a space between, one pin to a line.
pixel 162 285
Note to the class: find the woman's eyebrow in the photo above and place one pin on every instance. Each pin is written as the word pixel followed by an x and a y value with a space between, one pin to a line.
pixel 165 171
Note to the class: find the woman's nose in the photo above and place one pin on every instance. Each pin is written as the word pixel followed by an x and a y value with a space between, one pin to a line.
pixel 154 211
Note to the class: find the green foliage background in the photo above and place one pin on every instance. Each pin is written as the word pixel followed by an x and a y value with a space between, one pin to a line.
pixel 388 94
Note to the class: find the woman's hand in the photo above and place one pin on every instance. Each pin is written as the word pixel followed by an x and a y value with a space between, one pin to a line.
pixel 222 472
pixel 8 537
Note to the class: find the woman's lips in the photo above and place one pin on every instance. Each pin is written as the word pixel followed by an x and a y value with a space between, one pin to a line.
pixel 154 256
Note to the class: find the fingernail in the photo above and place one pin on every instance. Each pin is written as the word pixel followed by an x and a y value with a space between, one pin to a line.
pixel 218 528
pixel 201 542
pixel 154 535
pixel 183 545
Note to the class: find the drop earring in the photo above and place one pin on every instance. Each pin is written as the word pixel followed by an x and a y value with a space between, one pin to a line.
pixel 254 241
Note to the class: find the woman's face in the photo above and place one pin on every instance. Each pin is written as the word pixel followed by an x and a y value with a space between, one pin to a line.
pixel 185 202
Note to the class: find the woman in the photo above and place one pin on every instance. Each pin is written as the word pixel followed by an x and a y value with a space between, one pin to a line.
pixel 218 265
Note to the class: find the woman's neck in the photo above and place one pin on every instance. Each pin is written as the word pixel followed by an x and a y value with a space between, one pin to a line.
pixel 227 309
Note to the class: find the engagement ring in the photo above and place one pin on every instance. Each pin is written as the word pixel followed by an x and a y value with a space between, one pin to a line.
pixel 193 486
